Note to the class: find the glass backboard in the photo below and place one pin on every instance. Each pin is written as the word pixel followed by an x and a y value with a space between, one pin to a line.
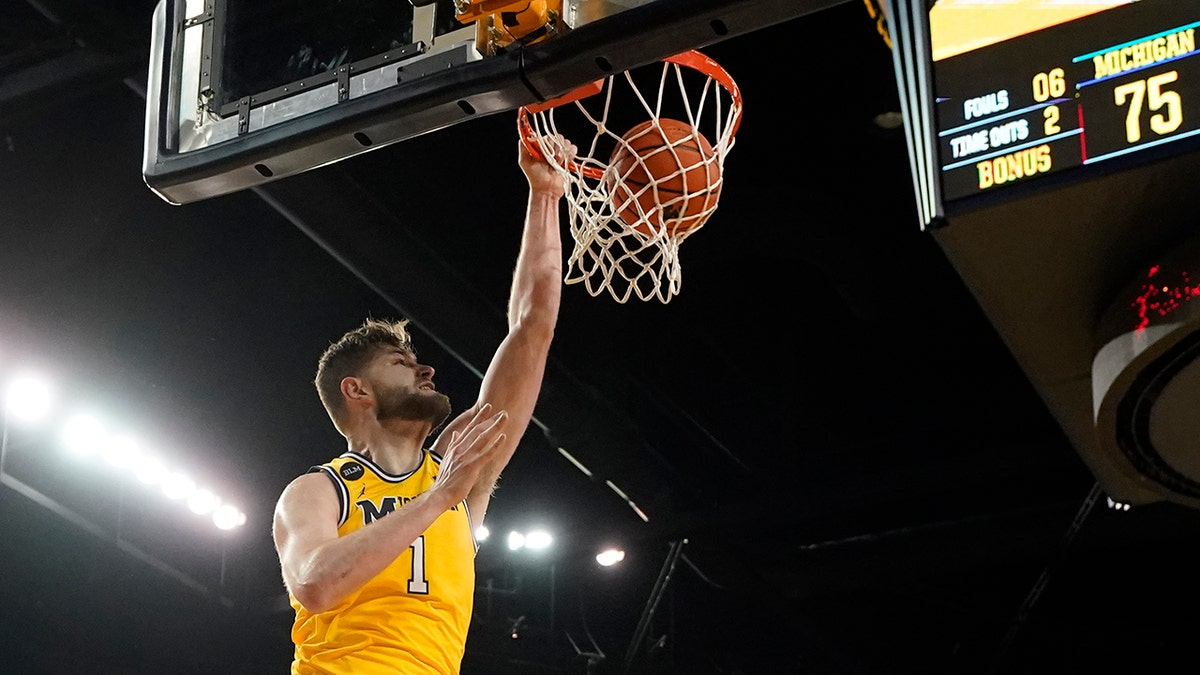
pixel 242 92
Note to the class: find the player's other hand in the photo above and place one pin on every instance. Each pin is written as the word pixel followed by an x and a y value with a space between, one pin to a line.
pixel 468 454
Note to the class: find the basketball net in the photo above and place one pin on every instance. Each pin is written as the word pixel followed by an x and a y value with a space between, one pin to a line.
pixel 631 249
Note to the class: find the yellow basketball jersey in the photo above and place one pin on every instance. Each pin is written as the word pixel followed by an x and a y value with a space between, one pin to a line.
pixel 412 619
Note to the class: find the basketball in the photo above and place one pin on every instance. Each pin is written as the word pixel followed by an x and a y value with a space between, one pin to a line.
pixel 669 172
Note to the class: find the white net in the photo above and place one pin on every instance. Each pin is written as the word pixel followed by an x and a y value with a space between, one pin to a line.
pixel 634 196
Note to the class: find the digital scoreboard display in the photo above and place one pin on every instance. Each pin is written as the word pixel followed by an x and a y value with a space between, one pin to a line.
pixel 1112 83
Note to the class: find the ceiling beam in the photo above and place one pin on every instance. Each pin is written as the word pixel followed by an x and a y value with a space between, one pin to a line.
pixel 68 75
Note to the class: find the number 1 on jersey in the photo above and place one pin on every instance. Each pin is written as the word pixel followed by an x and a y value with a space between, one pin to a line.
pixel 417 583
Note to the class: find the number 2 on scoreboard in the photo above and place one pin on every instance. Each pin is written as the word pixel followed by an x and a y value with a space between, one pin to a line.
pixel 1150 91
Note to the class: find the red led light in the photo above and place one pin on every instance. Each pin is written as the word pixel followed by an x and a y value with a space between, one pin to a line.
pixel 1161 300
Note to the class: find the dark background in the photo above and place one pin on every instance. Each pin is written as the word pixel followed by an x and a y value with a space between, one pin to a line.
pixel 843 467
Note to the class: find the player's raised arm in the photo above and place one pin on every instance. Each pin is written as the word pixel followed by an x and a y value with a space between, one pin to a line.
pixel 514 376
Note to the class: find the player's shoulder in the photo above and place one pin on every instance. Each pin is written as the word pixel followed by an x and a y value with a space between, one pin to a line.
pixel 315 478
pixel 302 484
pixel 305 492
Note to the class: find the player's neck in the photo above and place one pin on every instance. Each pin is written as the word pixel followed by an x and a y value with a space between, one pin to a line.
pixel 396 451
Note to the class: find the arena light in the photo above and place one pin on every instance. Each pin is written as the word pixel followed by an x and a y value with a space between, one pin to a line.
pixel 202 501
pixel 1117 505
pixel 28 400
pixel 610 556
pixel 150 470
pixel 178 486
pixel 227 517
pixel 122 450
pixel 516 541
pixel 538 540
pixel 84 434
pixel 482 533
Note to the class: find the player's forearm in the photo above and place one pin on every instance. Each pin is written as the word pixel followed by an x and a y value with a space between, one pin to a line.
pixel 341 566
pixel 537 277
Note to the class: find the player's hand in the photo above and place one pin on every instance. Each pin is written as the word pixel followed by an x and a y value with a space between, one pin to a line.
pixel 468 452
pixel 541 175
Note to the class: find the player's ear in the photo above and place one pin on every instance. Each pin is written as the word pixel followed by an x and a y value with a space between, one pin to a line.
pixel 354 389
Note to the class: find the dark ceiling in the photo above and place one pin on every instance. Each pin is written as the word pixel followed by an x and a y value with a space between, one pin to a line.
pixel 844 468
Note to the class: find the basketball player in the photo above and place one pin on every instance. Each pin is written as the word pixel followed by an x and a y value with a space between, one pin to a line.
pixel 377 546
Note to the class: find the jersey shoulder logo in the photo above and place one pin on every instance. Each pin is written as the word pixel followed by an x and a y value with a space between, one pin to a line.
pixel 351 471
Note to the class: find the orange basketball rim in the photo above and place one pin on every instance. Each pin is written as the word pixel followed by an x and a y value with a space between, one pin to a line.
pixel 627 229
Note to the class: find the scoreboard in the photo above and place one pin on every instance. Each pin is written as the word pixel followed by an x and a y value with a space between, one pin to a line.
pixel 1121 82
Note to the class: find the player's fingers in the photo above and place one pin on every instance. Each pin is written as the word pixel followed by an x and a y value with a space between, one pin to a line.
pixel 482 426
pixel 489 430
pixel 492 436
pixel 464 435
pixel 478 442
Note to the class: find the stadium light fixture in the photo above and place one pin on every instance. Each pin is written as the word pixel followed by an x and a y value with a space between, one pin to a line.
pixel 538 540
pixel 28 400
pixel 178 486
pixel 84 434
pixel 203 501
pixel 516 541
pixel 610 556
pixel 122 450
pixel 227 517
pixel 150 470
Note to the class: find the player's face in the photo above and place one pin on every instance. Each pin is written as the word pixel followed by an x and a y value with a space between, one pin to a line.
pixel 404 389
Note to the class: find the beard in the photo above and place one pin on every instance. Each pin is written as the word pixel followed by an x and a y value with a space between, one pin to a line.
pixel 403 404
